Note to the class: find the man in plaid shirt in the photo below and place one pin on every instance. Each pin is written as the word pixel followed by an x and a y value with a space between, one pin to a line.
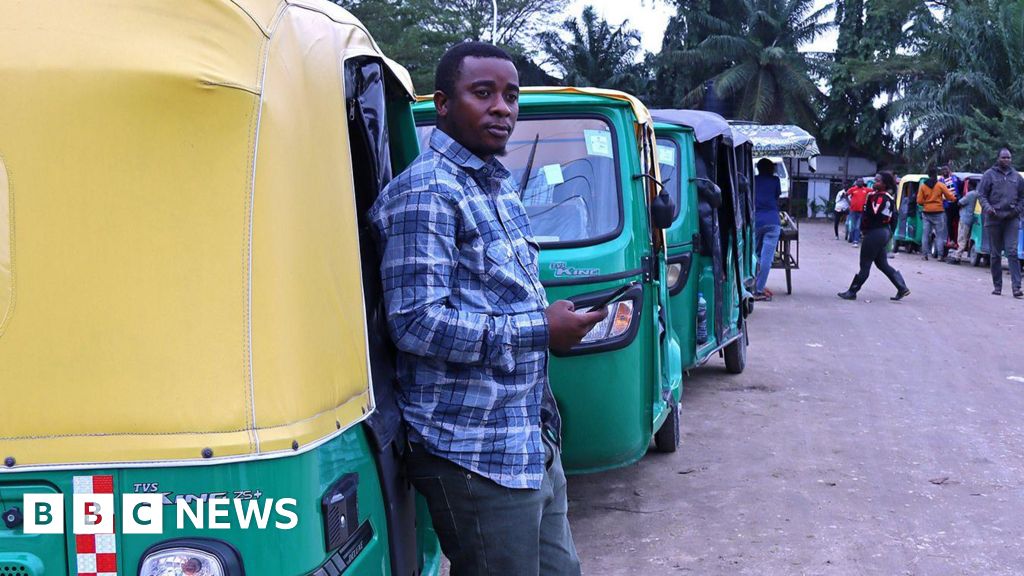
pixel 469 317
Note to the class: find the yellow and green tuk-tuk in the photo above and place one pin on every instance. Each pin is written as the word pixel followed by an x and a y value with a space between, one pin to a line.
pixel 908 226
pixel 188 307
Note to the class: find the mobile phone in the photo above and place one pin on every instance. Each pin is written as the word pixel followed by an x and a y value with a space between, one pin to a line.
pixel 613 297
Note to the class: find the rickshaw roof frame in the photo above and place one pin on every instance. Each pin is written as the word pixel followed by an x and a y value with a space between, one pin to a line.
pixel 706 126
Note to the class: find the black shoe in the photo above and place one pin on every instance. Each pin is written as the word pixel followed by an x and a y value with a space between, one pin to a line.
pixel 1018 294
pixel 901 295
pixel 848 295
pixel 997 292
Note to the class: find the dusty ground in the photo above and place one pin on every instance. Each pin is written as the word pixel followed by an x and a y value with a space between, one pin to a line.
pixel 865 437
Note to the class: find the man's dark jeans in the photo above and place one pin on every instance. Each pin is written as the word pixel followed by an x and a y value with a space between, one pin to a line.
pixel 1002 235
pixel 485 528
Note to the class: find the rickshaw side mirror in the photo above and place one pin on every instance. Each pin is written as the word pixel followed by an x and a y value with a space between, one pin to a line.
pixel 663 210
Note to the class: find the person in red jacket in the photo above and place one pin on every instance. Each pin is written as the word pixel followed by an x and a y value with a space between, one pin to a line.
pixel 857 194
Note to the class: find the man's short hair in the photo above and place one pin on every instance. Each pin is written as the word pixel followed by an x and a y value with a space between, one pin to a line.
pixel 765 166
pixel 447 73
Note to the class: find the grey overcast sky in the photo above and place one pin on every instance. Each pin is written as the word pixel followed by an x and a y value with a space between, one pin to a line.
pixel 651 16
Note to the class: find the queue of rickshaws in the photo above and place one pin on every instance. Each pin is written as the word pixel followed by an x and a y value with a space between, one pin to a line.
pixel 211 301
pixel 659 207
pixel 910 230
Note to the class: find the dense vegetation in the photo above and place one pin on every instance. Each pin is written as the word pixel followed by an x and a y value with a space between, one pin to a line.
pixel 910 81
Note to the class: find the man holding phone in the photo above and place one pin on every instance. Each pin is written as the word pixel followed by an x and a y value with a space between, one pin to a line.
pixel 470 319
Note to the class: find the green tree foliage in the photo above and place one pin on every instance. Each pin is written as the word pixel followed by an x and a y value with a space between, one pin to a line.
pixel 417 32
pixel 766 76
pixel 870 61
pixel 966 98
pixel 675 73
pixel 590 52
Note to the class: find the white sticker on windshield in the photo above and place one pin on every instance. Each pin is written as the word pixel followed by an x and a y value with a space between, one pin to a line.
pixel 599 142
pixel 666 155
pixel 553 174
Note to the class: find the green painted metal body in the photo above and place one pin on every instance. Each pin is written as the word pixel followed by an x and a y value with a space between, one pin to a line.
pixel 305 477
pixel 682 239
pixel 611 402
pixel 909 228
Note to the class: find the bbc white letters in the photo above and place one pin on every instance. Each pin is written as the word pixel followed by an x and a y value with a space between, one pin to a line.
pixel 144 514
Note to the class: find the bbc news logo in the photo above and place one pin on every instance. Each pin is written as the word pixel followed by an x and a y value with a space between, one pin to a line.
pixel 144 514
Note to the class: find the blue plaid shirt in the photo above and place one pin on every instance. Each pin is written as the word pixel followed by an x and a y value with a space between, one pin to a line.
pixel 466 310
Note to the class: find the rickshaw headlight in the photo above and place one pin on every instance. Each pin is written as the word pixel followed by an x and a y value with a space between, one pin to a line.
pixel 182 562
pixel 620 317
pixel 672 275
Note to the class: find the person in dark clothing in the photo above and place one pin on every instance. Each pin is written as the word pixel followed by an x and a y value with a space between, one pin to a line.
pixel 767 189
pixel 879 209
pixel 1001 194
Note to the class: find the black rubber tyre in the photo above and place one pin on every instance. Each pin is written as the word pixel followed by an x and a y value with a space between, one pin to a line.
pixel 736 354
pixel 667 438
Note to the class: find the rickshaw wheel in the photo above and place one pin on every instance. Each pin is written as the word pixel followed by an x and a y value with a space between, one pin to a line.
pixel 667 438
pixel 975 258
pixel 736 354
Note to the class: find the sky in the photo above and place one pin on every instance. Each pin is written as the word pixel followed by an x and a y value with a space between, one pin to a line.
pixel 651 16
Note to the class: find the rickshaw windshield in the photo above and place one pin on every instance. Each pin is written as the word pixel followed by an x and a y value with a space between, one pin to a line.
pixel 668 163
pixel 572 194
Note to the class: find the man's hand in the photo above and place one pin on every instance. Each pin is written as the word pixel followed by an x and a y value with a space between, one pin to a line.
pixel 566 327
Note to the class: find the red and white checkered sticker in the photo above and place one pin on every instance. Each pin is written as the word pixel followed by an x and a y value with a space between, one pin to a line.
pixel 96 553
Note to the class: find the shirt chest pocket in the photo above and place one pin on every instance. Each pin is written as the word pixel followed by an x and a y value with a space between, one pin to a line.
pixel 529 252
pixel 503 278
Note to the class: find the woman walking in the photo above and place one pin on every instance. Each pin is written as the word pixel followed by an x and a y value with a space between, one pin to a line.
pixel 879 209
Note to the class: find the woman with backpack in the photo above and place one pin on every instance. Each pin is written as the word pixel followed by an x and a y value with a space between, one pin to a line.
pixel 879 209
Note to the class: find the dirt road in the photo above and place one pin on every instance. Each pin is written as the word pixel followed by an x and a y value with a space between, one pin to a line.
pixel 865 437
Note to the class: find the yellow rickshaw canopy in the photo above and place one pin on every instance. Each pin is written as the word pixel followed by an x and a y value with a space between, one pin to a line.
pixel 904 180
pixel 179 258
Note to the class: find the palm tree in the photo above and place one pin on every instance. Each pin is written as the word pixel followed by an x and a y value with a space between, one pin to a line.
pixel 967 98
pixel 596 53
pixel 767 78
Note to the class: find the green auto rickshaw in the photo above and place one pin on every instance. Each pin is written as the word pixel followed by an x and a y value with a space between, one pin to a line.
pixel 744 152
pixel 189 306
pixel 708 241
pixel 586 163
pixel 908 226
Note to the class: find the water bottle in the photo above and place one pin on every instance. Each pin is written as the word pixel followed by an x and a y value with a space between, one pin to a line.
pixel 702 318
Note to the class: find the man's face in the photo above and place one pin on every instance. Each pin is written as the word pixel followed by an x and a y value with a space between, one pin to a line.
pixel 482 112
pixel 1005 159
pixel 945 172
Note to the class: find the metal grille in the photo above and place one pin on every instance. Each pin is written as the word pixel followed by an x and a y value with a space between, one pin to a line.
pixel 15 569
